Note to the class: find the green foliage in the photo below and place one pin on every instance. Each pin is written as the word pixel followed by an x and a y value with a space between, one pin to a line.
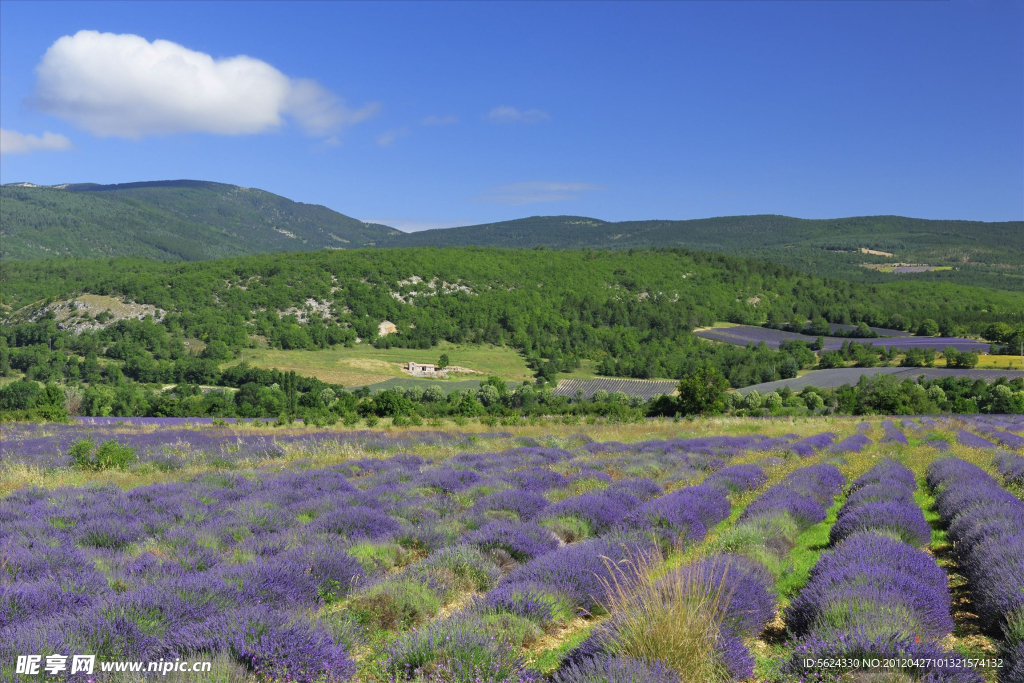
pixel 109 455
pixel 927 328
pixel 703 392
pixel 959 359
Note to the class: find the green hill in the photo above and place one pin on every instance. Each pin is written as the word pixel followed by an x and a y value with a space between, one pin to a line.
pixel 182 220
pixel 190 220
pixel 967 252
pixel 627 313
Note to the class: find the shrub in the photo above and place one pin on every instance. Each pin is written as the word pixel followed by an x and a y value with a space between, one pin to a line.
pixel 521 540
pixel 457 568
pixel 463 649
pixel 268 645
pixel 616 670
pixel 109 455
pixel 395 604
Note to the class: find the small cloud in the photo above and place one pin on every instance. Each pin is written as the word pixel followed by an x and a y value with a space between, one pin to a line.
pixel 449 120
pixel 122 85
pixel 536 192
pixel 387 139
pixel 333 141
pixel 506 114
pixel 13 142
pixel 319 111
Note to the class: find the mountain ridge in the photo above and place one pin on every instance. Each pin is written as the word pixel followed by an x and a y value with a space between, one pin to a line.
pixel 178 220
pixel 191 220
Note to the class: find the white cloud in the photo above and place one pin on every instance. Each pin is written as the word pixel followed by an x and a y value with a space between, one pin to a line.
pixel 13 142
pixel 388 138
pixel 440 120
pixel 506 114
pixel 536 192
pixel 122 85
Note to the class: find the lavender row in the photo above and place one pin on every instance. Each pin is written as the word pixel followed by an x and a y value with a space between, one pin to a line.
pixel 1010 468
pixel 999 430
pixel 854 443
pixel 986 528
pixel 556 586
pixel 803 496
pixel 1008 423
pixel 742 578
pixel 893 434
pixel 875 594
pixel 812 444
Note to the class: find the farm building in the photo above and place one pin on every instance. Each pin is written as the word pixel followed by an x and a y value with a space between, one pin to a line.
pixel 421 368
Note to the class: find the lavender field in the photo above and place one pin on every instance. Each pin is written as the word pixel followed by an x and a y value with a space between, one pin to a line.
pixel 718 550
pixel 741 335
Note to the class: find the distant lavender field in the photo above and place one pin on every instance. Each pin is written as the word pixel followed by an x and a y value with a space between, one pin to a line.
pixel 837 377
pixel 171 444
pixel 741 335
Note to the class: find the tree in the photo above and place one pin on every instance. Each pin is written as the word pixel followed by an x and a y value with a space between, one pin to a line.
pixel 957 359
pixel 863 330
pixel 928 328
pixel 433 394
pixel 789 368
pixel 820 327
pixel 20 395
pixel 702 392
pixel 896 322
pixel 752 401
pixel 442 362
pixel 831 359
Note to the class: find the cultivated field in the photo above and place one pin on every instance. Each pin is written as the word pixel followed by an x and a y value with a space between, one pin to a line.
pixel 364 365
pixel 837 377
pixel 741 335
pixel 712 550
pixel 641 388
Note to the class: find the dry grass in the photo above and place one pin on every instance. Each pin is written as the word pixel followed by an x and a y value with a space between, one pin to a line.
pixel 675 618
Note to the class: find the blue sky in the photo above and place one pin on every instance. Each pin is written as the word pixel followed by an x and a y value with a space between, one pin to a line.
pixel 436 114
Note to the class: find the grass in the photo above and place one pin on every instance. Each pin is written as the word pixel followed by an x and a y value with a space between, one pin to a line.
pixel 15 376
pixel 363 364
pixel 674 618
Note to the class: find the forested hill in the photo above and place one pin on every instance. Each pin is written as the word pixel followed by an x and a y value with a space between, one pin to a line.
pixel 186 220
pixel 633 312
pixel 970 252
pixel 178 220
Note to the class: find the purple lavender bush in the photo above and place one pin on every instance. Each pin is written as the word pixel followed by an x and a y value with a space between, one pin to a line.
pixel 736 478
pixel 893 434
pixel 522 541
pixel 936 664
pixel 812 444
pixel 604 669
pixel 900 519
pixel 1010 467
